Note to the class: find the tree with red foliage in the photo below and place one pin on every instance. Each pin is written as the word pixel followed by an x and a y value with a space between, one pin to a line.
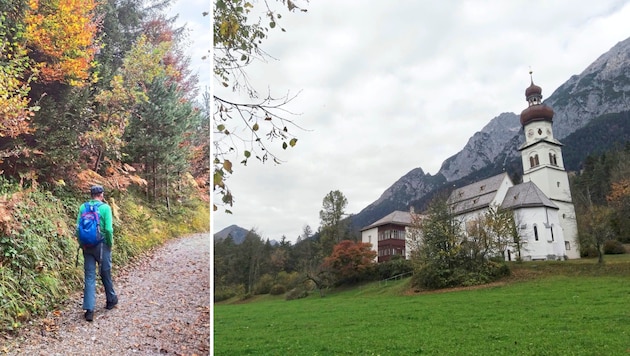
pixel 350 261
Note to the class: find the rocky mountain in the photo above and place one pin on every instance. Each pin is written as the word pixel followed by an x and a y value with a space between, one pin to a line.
pixel 600 93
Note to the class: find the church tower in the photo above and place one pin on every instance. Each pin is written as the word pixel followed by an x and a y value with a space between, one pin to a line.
pixel 543 165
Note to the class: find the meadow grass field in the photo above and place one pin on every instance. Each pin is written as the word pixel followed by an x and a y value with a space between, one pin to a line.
pixel 545 308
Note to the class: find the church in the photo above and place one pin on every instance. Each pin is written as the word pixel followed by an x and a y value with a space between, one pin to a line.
pixel 542 205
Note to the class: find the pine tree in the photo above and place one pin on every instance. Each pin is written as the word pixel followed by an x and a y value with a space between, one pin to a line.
pixel 155 137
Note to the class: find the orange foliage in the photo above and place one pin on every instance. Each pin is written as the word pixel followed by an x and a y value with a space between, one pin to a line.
pixel 350 259
pixel 61 33
pixel 159 31
pixel 619 191
pixel 117 179
pixel 8 224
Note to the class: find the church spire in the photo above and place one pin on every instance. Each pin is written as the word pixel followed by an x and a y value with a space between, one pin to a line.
pixel 537 111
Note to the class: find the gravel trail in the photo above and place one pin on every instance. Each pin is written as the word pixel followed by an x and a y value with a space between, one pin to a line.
pixel 163 309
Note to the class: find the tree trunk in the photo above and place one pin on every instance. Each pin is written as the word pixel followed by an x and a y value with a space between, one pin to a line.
pixel 600 254
pixel 168 203
pixel 98 160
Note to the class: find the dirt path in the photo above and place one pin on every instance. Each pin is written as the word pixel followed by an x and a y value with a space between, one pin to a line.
pixel 163 309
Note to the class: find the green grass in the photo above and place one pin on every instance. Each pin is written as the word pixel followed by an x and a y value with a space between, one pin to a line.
pixel 575 308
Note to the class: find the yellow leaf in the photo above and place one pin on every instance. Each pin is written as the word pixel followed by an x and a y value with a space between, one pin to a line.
pixel 227 165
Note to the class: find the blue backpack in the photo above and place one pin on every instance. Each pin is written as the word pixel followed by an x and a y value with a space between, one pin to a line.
pixel 89 228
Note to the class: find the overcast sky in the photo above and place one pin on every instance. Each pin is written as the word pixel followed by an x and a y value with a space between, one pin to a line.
pixel 388 86
pixel 198 36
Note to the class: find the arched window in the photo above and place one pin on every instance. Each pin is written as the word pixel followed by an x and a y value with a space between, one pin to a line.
pixel 536 161
pixel 553 159
pixel 531 162
pixel 535 232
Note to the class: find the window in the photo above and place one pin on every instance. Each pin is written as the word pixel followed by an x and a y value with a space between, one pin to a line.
pixel 535 232
pixel 553 159
pixel 567 245
pixel 534 161
pixel 391 234
pixel 551 229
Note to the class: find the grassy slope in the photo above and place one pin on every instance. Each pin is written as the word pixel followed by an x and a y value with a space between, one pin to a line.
pixel 38 249
pixel 570 308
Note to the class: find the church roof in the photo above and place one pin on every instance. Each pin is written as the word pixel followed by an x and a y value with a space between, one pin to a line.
pixel 395 217
pixel 477 195
pixel 552 141
pixel 526 195
pixel 537 111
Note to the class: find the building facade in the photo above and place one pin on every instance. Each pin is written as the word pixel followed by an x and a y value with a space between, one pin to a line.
pixel 542 205
pixel 388 235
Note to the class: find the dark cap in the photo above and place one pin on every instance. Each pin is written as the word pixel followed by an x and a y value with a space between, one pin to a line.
pixel 97 189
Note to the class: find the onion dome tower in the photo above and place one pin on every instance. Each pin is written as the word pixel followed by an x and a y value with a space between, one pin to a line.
pixel 543 165
pixel 537 111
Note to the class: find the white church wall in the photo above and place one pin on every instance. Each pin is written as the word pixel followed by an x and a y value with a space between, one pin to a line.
pixel 540 233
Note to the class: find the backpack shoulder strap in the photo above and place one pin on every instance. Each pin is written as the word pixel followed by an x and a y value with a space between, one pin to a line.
pixel 92 206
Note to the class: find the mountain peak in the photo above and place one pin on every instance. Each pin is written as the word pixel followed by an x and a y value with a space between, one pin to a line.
pixel 601 89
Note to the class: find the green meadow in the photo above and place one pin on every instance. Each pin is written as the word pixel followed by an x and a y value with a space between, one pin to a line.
pixel 545 308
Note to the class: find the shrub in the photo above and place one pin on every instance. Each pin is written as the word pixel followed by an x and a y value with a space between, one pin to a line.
pixel 296 293
pixel 613 247
pixel 277 289
pixel 589 252
pixel 37 254
pixel 222 293
pixel 289 280
pixel 393 268
pixel 264 284
pixel 433 277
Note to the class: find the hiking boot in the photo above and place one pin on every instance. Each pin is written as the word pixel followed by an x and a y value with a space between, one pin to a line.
pixel 89 315
pixel 112 304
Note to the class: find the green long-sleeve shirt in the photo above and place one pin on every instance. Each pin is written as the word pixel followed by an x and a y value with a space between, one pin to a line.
pixel 105 218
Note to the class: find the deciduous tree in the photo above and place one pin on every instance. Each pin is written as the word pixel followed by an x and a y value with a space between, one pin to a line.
pixel 15 105
pixel 237 42
pixel 61 34
pixel 350 261
pixel 448 257
pixel 594 229
pixel 491 234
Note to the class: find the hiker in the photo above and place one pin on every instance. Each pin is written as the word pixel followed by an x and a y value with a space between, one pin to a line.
pixel 95 234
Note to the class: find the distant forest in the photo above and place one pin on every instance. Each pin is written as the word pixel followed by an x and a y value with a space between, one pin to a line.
pixel 600 135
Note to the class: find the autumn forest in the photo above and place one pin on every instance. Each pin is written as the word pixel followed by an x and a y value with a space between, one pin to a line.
pixel 93 92
pixel 99 91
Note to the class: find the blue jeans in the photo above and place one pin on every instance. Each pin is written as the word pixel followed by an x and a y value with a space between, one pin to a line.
pixel 101 254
